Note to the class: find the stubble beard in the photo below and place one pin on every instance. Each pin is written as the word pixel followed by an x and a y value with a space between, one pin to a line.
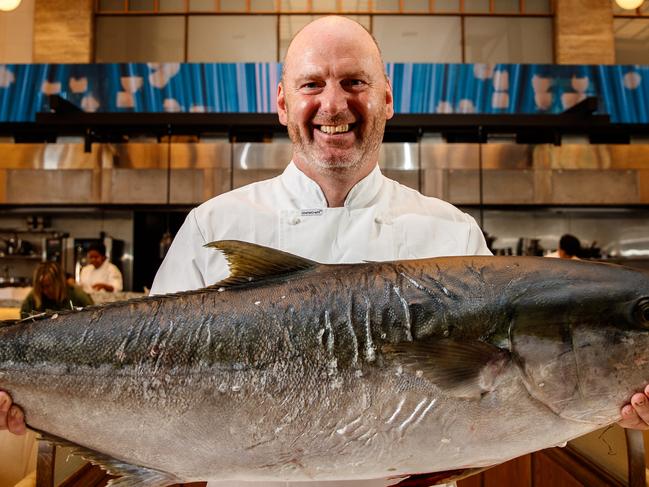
pixel 342 163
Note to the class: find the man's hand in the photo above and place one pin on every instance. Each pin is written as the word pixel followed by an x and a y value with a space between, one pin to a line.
pixel 636 414
pixel 11 416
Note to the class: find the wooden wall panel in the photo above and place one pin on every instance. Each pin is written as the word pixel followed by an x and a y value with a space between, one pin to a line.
pixel 36 186
pixel 631 156
pixel 473 481
pixel 63 31
pixel 583 31
pixel 547 463
pixel 643 188
pixel 45 464
pixel 3 186
pixel 547 472
pixel 555 467
pixel 611 187
pixel 516 472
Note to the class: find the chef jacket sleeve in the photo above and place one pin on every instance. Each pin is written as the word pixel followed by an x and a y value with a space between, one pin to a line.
pixel 182 267
pixel 115 278
pixel 84 280
pixel 476 244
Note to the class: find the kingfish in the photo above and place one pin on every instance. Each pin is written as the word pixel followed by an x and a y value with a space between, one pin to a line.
pixel 294 370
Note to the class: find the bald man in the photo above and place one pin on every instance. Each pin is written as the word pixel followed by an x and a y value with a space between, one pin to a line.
pixel 331 204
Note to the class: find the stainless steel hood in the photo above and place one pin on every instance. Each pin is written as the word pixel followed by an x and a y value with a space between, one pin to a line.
pixel 189 173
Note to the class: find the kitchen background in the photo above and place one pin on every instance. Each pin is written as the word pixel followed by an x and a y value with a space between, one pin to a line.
pixel 58 192
pixel 59 197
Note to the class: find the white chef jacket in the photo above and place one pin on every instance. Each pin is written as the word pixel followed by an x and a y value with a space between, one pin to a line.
pixel 106 273
pixel 380 220
pixel 556 255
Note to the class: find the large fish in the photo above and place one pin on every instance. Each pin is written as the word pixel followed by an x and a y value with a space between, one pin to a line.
pixel 293 370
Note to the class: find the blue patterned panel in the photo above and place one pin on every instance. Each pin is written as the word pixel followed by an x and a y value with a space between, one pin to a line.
pixel 252 88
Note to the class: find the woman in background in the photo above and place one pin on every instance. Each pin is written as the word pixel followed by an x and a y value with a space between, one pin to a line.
pixel 51 292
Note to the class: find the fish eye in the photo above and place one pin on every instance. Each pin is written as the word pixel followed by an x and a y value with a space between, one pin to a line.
pixel 642 311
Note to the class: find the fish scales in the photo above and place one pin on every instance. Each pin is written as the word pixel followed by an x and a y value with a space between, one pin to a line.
pixel 244 344
pixel 340 372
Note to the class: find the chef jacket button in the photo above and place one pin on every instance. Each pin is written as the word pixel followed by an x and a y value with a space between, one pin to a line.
pixel 294 221
pixel 378 220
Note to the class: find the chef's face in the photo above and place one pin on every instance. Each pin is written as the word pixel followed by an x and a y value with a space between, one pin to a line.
pixel 334 96
pixel 95 258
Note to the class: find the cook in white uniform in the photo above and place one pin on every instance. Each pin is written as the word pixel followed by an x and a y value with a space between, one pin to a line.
pixel 100 274
pixel 380 220
pixel 331 204
pixel 569 248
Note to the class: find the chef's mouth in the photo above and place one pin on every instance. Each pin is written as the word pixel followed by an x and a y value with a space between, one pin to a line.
pixel 340 128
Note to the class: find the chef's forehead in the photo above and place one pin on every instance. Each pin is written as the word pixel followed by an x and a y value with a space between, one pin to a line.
pixel 333 25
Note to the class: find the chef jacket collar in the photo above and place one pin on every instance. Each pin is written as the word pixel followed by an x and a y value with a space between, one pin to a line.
pixel 307 194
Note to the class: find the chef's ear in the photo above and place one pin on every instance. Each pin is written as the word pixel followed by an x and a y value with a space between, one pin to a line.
pixel 389 99
pixel 281 105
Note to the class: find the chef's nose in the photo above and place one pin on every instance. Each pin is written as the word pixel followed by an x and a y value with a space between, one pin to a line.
pixel 333 99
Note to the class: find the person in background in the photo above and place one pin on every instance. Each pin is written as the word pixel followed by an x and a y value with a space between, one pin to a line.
pixel 100 274
pixel 69 278
pixel 331 204
pixel 569 248
pixel 51 292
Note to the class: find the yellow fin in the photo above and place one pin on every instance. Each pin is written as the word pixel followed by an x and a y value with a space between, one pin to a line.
pixel 466 368
pixel 250 262
pixel 130 475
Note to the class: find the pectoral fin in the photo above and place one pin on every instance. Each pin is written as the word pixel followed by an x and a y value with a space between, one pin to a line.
pixel 460 368
pixel 129 475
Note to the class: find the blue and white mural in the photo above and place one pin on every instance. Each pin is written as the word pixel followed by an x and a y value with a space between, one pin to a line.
pixel 623 90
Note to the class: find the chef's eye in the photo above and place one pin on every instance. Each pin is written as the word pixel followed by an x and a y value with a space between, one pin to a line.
pixel 353 82
pixel 311 85
pixel 642 311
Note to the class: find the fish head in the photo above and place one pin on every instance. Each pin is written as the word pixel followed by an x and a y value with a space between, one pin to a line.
pixel 581 338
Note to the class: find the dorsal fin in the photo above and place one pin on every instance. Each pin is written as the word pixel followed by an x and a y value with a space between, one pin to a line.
pixel 250 262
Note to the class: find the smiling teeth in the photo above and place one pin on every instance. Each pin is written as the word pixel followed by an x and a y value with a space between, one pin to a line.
pixel 334 129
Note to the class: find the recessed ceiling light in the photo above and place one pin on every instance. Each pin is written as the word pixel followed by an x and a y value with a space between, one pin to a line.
pixel 8 5
pixel 629 4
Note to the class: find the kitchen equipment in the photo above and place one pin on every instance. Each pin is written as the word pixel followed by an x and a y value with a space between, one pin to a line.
pixel 53 248
pixel 529 246
pixel 13 243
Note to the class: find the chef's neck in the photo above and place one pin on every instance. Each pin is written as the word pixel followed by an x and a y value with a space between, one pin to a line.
pixel 335 183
